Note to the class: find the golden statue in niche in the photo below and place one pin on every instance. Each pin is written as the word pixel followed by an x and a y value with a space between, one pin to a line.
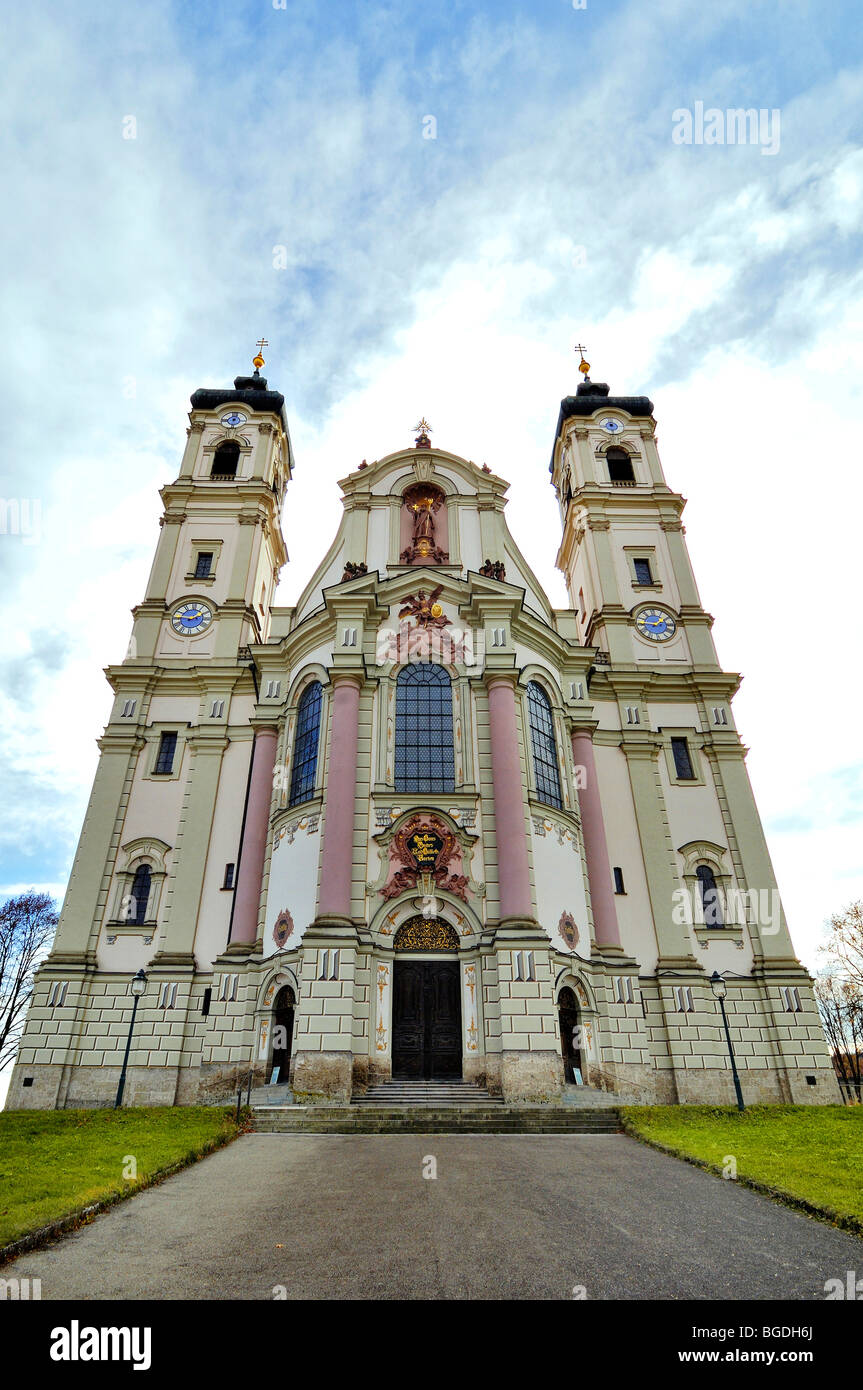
pixel 423 503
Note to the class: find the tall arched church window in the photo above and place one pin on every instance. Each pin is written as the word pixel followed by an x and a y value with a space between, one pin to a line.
pixel 140 895
pixel 305 767
pixel 710 903
pixel 425 758
pixel 225 459
pixel 543 746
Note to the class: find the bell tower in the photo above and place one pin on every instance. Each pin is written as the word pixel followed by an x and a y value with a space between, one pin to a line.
pixel 221 547
pixel 623 552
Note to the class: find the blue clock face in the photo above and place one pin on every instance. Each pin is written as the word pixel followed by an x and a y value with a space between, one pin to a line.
pixel 191 618
pixel 611 426
pixel 656 624
pixel 234 418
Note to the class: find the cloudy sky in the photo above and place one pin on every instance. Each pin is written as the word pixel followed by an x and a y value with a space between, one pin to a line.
pixel 280 181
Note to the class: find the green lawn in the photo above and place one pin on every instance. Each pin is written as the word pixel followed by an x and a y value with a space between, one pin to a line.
pixel 810 1153
pixel 53 1162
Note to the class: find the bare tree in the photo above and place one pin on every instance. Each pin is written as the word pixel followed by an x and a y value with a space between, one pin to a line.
pixel 27 925
pixel 844 944
pixel 840 1003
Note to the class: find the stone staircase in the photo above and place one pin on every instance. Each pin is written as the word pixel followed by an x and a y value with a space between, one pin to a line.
pixel 436 1093
pixel 437 1107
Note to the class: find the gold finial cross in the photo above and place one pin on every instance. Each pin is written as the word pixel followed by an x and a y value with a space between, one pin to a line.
pixel 583 366
pixel 258 361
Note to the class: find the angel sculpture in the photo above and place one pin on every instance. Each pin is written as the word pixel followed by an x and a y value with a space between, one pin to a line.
pixel 425 608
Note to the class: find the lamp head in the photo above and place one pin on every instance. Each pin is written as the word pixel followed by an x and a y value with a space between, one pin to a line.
pixel 718 985
pixel 139 984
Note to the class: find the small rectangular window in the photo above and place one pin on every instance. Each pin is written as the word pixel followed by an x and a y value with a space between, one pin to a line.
pixel 618 881
pixel 128 709
pixel 719 716
pixel 682 761
pixel 523 966
pixel 167 749
pixel 218 709
pixel 642 572
pixel 328 965
pixel 791 999
pixel 207 1000
pixel 632 715
pixel 57 997
pixel 229 876
pixel 683 998
pixel 273 690
pixel 204 564
pixel 168 997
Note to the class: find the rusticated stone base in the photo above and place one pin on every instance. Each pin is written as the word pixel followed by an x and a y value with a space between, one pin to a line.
pixel 219 1082
pixel 493 1083
pixel 380 1069
pixel 536 1077
pixel 474 1069
pixel 42 1094
pixel 360 1072
pixel 322 1078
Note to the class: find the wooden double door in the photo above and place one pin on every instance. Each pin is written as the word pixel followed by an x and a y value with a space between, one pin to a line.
pixel 426 1019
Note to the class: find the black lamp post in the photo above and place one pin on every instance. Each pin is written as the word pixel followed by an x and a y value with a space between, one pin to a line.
pixel 720 989
pixel 138 985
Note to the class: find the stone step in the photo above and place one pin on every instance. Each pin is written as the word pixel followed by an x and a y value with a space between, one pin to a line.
pixel 440 1120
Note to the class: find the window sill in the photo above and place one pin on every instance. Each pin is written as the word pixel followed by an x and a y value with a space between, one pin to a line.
pixel 639 587
pixel 704 935
pixel 200 578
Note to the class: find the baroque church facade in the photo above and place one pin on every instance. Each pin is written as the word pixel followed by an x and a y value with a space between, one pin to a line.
pixel 421 824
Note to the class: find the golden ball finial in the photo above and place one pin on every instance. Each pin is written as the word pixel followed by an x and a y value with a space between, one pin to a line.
pixel 584 365
pixel 258 361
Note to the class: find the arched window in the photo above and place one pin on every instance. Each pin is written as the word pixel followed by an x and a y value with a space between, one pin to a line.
pixel 425 760
pixel 305 765
pixel 545 768
pixel 140 895
pixel 619 466
pixel 225 459
pixel 710 902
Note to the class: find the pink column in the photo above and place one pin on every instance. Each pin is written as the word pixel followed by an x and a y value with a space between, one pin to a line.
pixel 338 850
pixel 605 926
pixel 247 897
pixel 512 862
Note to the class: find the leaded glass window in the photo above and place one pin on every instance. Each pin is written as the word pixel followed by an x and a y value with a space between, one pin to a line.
pixel 710 901
pixel 305 766
pixel 425 758
pixel 545 767
pixel 140 895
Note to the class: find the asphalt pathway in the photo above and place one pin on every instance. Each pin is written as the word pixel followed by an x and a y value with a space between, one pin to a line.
pixel 507 1216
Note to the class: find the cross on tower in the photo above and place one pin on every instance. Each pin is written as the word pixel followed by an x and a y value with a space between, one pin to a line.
pixel 258 361
pixel 583 366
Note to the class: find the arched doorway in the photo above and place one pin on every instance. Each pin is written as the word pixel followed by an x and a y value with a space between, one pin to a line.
pixel 570 1036
pixel 283 1032
pixel 426 1029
